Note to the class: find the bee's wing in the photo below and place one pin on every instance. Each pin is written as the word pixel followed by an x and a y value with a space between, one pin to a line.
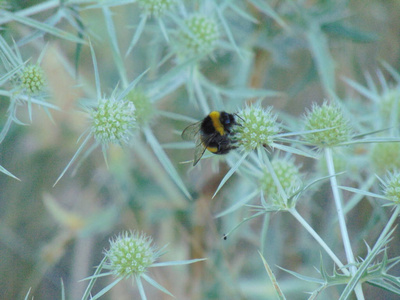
pixel 198 152
pixel 191 133
pixel 201 146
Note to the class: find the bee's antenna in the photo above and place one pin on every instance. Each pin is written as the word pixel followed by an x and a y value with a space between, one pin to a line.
pixel 238 116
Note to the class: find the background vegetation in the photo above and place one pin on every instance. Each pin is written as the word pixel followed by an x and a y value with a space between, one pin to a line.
pixel 289 54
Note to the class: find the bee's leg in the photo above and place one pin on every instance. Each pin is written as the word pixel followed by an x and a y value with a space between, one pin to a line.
pixel 233 142
pixel 224 146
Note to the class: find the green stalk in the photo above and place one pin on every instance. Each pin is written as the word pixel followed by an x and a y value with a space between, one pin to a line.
pixel 33 10
pixel 389 224
pixel 320 241
pixel 342 222
pixel 380 243
pixel 301 220
pixel 275 178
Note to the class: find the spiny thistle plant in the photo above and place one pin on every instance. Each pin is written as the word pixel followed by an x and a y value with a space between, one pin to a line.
pixel 197 37
pixel 385 98
pixel 263 62
pixel 144 108
pixel 156 8
pixel 22 84
pixel 32 79
pixel 257 128
pixel 389 102
pixel 385 157
pixel 329 117
pixel 130 256
pixel 113 121
pixel 392 188
pixel 25 83
pixel 289 177
pixel 327 128
pixel 152 8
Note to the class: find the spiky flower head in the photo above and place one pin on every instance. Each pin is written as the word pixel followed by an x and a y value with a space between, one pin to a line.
pixel 144 108
pixel 386 157
pixel 198 37
pixel 113 121
pixel 32 79
pixel 389 101
pixel 392 187
pixel 130 254
pixel 157 8
pixel 323 117
pixel 288 175
pixel 257 127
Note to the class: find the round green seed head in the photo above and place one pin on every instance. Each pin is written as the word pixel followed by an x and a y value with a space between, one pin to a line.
pixel 257 127
pixel 198 37
pixel 392 188
pixel 113 121
pixel 386 157
pixel 389 101
pixel 32 79
pixel 157 8
pixel 131 253
pixel 288 175
pixel 144 108
pixel 327 116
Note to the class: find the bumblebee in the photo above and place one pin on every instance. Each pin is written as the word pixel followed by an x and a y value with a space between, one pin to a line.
pixel 213 133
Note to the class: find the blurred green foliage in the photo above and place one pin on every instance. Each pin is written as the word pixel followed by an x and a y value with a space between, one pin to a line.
pixel 288 53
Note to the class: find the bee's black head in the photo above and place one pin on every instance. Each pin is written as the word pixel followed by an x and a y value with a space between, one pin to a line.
pixel 227 120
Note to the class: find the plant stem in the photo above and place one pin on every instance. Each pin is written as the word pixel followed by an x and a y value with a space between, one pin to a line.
pixel 275 178
pixel 320 241
pixel 389 224
pixel 342 222
pixel 33 10
pixel 339 208
pixel 299 218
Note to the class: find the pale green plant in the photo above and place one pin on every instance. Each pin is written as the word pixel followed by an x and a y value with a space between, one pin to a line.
pixel 308 146
pixel 112 120
pixel 23 84
pixel 130 255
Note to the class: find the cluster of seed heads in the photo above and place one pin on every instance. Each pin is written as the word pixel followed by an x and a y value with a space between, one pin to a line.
pixel 130 253
pixel 287 173
pixel 199 35
pixel 389 103
pixel 334 127
pixel 32 79
pixel 392 188
pixel 113 121
pixel 385 157
pixel 144 108
pixel 156 8
pixel 257 127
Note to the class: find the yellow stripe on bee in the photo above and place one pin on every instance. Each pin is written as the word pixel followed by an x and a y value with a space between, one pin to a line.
pixel 212 149
pixel 214 115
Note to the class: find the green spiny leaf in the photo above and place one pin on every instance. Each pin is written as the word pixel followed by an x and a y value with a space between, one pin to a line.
pixel 272 277
pixel 43 27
